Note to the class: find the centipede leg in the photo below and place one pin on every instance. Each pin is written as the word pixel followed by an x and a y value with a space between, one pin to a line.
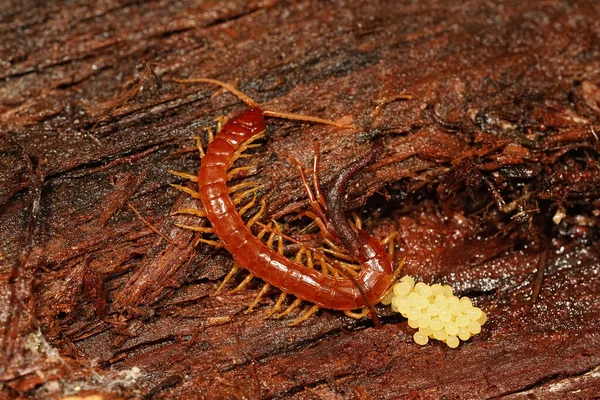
pixel 202 229
pixel 389 242
pixel 238 199
pixel 259 213
pixel 213 243
pixel 305 316
pixel 248 144
pixel 189 211
pixel 187 190
pixel 357 220
pixel 229 275
pixel 259 296
pixel 243 185
pixel 360 315
pixel 184 175
pixel 315 204
pixel 277 305
pixel 319 196
pixel 233 172
pixel 242 284
pixel 266 286
pixel 220 120
pixel 290 308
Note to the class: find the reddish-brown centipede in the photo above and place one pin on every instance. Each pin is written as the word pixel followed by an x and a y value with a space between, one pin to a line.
pixel 339 293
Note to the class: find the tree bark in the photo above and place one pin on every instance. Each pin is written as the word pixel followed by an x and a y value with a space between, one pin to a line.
pixel 489 117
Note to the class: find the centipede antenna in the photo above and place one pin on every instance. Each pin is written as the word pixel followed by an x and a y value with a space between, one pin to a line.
pixel 184 175
pixel 307 118
pixel 251 103
pixel 243 97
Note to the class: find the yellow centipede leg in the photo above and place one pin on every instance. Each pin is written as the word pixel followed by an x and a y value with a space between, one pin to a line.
pixel 189 211
pixel 360 315
pixel 259 296
pixel 305 316
pixel 202 229
pixel 229 275
pixel 184 175
pixel 277 305
pixel 187 190
pixel 290 308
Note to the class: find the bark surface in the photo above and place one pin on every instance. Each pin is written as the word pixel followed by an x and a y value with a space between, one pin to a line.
pixel 489 114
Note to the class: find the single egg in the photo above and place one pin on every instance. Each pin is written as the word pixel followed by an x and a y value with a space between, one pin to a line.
pixel 433 309
pixel 464 333
pixel 437 289
pixel 451 328
pixel 402 289
pixel 424 321
pixel 448 290
pixel 452 341
pixel 445 315
pixel 436 324
pixel 462 321
pixel 474 327
pixel 420 338
pixel 440 335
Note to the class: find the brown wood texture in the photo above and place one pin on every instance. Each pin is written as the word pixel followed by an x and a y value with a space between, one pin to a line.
pixel 489 113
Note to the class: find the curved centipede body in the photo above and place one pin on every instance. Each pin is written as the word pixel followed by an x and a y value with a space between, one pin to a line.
pixel 262 261
pixel 293 277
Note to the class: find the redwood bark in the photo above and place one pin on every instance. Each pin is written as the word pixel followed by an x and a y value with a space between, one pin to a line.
pixel 489 114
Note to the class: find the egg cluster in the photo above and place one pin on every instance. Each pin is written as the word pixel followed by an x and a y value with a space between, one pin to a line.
pixel 435 311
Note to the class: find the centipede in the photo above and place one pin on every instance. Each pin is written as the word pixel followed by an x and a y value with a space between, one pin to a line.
pixel 336 291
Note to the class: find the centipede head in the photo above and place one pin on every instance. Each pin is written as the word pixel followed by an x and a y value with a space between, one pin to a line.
pixel 251 118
